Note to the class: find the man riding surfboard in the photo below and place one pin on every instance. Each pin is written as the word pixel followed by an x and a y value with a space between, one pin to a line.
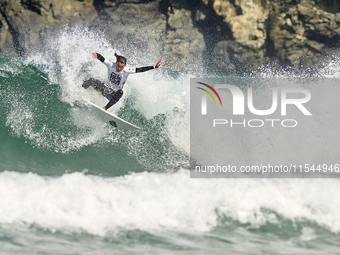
pixel 117 76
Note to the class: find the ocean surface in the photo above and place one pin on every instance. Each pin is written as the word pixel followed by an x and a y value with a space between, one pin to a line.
pixel 70 184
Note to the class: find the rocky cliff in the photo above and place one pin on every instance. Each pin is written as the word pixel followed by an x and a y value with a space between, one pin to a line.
pixel 221 36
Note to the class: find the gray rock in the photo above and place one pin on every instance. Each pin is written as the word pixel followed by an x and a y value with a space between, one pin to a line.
pixel 222 36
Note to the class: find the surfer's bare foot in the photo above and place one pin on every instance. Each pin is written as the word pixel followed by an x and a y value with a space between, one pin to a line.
pixel 104 108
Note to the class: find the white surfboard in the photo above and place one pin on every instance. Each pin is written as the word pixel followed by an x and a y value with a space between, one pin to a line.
pixel 110 118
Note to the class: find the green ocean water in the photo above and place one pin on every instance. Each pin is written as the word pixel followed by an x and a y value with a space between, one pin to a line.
pixel 39 133
pixel 72 185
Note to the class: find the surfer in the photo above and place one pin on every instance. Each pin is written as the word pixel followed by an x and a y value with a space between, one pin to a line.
pixel 117 76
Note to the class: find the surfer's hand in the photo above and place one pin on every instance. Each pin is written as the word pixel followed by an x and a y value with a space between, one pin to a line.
pixel 158 63
pixel 94 55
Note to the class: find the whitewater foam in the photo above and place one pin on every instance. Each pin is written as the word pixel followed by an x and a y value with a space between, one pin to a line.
pixel 65 64
pixel 155 202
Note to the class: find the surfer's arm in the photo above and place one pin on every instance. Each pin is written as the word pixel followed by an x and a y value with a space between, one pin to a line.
pixel 98 56
pixel 147 68
pixel 144 69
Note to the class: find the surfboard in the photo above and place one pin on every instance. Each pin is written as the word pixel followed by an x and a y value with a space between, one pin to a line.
pixel 110 118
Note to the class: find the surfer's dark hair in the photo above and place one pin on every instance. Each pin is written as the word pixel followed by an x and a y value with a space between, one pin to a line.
pixel 120 58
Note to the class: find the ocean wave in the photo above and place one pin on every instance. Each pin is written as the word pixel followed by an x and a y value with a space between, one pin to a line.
pixel 163 201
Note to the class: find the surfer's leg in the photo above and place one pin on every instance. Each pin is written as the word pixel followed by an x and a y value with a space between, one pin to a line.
pixel 114 98
pixel 96 84
pixel 87 83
